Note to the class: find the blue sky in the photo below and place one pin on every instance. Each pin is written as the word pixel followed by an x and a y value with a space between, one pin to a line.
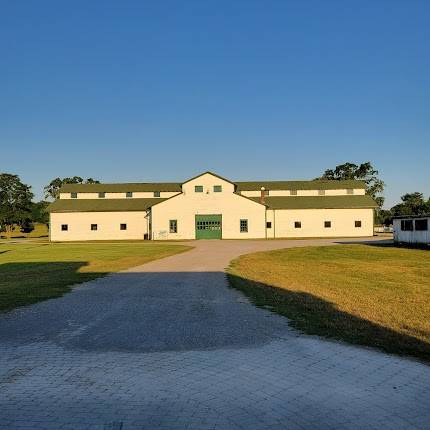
pixel 162 90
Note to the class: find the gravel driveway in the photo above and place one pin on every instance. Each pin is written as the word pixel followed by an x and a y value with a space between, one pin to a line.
pixel 169 345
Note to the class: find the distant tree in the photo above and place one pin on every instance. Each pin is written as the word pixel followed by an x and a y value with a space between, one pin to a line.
pixel 52 190
pixel 384 217
pixel 15 203
pixel 412 204
pixel 365 172
pixel 39 213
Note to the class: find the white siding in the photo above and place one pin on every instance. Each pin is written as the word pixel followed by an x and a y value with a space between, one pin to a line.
pixel 415 236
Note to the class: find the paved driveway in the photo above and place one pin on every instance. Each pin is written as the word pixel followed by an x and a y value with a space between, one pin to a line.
pixel 169 345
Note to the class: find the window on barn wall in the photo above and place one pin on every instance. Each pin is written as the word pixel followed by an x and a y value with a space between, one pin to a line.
pixel 123 226
pixel 293 192
pixel 268 224
pixel 173 226
pixel 297 224
pixel 421 224
pixel 350 191
pixel 129 194
pixel 327 224
pixel 156 193
pixel 321 192
pixel 64 227
pixel 73 195
pixel 406 225
pixel 217 188
pixel 357 224
pixel 102 195
pixel 93 227
pixel 198 189
pixel 244 226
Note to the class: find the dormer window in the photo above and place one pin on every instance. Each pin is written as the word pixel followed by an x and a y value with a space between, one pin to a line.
pixel 156 193
pixel 198 189
pixel 293 193
pixel 73 195
pixel 102 195
pixel 129 194
pixel 321 192
pixel 350 191
pixel 217 188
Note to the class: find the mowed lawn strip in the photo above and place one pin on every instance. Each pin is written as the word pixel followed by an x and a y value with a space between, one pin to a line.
pixel 369 295
pixel 35 271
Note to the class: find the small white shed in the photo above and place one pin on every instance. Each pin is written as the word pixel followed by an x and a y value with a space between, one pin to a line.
pixel 412 229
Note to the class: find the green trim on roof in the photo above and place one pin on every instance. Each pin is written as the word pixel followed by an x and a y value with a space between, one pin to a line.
pixel 102 205
pixel 319 202
pixel 300 185
pixel 121 188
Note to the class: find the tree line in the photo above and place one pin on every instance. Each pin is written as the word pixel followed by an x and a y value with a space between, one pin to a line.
pixel 17 208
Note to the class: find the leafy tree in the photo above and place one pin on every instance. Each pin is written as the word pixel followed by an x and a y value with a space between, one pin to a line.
pixel 412 204
pixel 15 203
pixel 39 213
pixel 365 172
pixel 384 217
pixel 52 190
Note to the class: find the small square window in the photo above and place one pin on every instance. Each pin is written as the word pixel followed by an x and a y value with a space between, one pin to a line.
pixel 93 227
pixel 244 226
pixel 156 193
pixel 265 193
pixel 321 192
pixel 73 195
pixel 173 226
pixel 297 224
pixel 268 224
pixel 421 225
pixel 357 224
pixel 129 194
pixel 64 227
pixel 350 191
pixel 217 188
pixel 123 226
pixel 293 193
pixel 102 195
pixel 198 188
pixel 327 224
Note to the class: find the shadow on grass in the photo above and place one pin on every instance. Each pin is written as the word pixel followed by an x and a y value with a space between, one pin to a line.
pixel 178 310
pixel 23 284
pixel 315 316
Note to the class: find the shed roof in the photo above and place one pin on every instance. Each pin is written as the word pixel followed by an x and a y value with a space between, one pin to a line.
pixel 319 202
pixel 102 205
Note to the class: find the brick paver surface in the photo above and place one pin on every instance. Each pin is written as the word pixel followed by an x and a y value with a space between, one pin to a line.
pixel 169 345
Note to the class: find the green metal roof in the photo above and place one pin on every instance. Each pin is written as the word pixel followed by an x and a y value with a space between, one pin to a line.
pixel 319 202
pixel 102 205
pixel 300 185
pixel 120 188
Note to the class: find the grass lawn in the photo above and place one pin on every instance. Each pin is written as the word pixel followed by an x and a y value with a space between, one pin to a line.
pixel 40 230
pixel 35 271
pixel 368 295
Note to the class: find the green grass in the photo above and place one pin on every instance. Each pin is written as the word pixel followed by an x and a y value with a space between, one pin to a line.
pixel 368 295
pixel 40 230
pixel 34 271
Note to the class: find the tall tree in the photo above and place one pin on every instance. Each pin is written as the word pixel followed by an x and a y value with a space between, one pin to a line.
pixel 52 190
pixel 15 203
pixel 412 204
pixel 365 172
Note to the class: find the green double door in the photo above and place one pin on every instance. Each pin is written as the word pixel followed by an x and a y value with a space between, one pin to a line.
pixel 208 226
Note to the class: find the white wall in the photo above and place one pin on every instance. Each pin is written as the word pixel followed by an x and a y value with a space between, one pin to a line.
pixel 312 221
pixel 184 207
pixel 272 193
pixel 136 195
pixel 108 225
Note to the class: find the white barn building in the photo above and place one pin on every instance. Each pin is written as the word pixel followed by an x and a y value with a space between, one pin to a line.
pixel 413 229
pixel 209 206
